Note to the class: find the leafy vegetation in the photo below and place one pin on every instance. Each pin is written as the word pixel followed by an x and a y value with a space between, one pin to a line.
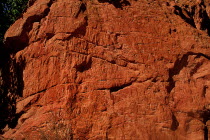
pixel 10 10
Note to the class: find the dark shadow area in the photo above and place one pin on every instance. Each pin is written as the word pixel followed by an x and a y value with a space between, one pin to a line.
pixel 81 10
pixel 84 66
pixel 187 13
pixel 205 133
pixel 195 69
pixel 81 31
pixel 187 17
pixel 206 117
pixel 11 87
pixel 178 66
pixel 117 88
pixel 175 123
pixel 49 35
pixel 11 71
pixel 117 3
pixel 205 23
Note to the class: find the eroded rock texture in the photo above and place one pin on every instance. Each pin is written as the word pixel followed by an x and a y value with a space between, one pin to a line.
pixel 107 69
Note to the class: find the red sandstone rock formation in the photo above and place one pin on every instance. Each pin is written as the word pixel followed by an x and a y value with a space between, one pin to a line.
pixel 123 69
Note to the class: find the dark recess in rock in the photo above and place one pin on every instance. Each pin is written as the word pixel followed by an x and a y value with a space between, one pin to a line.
pixel 206 117
pixel 187 18
pixel 188 14
pixel 117 88
pixel 117 3
pixel 11 88
pixel 175 123
pixel 80 31
pixel 81 10
pixel 84 66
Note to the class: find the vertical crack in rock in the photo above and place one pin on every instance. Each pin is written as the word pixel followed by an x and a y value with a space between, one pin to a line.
pixel 175 123
pixel 205 133
pixel 206 117
pixel 204 91
pixel 81 10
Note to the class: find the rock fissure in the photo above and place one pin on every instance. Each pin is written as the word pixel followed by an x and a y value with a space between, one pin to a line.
pixel 117 88
pixel 206 117
pixel 206 137
pixel 120 87
pixel 204 91
pixel 175 123
pixel 82 9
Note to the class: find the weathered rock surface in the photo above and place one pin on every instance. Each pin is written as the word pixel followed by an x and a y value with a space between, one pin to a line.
pixel 94 69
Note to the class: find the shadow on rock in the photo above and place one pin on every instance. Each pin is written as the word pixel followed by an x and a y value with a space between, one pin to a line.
pixel 11 87
pixel 117 3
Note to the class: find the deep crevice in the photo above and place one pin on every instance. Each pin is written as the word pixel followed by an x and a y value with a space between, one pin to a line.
pixel 49 35
pixel 175 123
pixel 204 91
pixel 205 133
pixel 205 24
pixel 117 3
pixel 119 87
pixel 206 117
pixel 82 9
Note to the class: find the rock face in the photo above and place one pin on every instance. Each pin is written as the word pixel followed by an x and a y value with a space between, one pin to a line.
pixel 122 69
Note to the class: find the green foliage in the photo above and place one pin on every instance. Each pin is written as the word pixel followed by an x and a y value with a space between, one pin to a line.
pixel 9 12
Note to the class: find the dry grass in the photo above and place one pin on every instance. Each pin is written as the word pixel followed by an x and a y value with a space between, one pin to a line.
pixel 58 127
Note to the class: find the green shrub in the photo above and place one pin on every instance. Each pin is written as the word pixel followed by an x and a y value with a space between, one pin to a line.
pixel 10 10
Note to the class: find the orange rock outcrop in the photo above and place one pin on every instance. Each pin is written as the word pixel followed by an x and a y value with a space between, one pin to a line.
pixel 108 69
